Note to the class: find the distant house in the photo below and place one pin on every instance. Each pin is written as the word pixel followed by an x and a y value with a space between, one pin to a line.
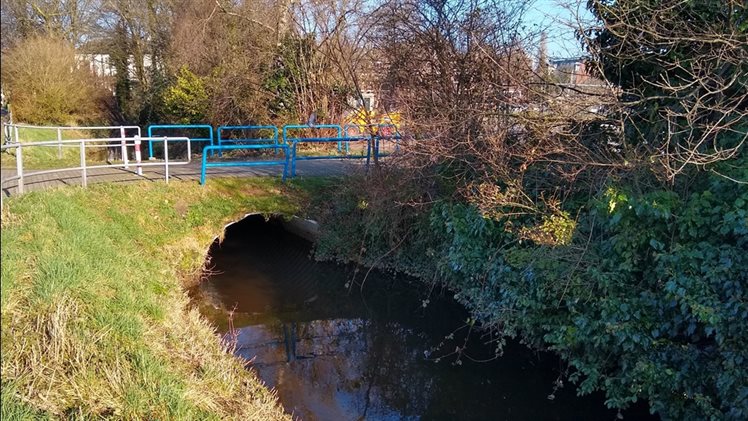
pixel 102 64
pixel 573 72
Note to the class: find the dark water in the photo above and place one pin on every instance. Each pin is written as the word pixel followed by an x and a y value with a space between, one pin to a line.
pixel 338 353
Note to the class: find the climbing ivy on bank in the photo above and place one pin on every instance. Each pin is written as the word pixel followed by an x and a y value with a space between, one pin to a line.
pixel 647 302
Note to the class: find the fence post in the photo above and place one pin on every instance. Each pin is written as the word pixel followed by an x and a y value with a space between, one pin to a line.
pixel 59 144
pixel 19 166
pixel 84 173
pixel 122 135
pixel 204 165
pixel 166 159
pixel 138 156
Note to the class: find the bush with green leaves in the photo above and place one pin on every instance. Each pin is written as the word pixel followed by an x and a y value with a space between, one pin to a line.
pixel 646 302
pixel 186 100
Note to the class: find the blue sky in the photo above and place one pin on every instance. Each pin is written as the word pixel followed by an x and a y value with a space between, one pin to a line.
pixel 551 16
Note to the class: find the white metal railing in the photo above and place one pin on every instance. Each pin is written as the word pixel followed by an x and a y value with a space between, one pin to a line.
pixel 124 142
pixel 59 129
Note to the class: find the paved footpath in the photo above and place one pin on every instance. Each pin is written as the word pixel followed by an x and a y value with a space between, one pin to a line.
pixel 190 171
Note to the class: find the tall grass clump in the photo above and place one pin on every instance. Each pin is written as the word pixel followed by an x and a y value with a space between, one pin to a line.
pixel 95 319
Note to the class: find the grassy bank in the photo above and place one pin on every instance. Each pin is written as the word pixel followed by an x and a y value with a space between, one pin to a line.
pixel 95 321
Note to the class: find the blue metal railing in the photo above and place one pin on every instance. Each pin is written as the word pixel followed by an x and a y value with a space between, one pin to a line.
pixel 292 142
pixel 374 133
pixel 359 132
pixel 206 164
pixel 180 126
pixel 223 139
pixel 387 132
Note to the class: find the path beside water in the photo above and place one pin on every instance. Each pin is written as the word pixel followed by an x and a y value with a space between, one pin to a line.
pixel 190 171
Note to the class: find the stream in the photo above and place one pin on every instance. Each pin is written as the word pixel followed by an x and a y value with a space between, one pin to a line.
pixel 388 351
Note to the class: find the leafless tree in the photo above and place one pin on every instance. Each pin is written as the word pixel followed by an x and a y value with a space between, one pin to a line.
pixel 682 69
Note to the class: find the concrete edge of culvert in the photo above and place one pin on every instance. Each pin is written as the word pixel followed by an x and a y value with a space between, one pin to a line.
pixel 305 228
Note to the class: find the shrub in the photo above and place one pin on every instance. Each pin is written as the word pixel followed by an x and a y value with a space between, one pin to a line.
pixel 186 100
pixel 48 86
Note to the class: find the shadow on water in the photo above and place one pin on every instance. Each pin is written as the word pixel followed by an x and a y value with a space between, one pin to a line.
pixel 376 354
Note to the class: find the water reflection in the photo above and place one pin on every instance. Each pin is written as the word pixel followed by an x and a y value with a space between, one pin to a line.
pixel 335 355
pixel 340 369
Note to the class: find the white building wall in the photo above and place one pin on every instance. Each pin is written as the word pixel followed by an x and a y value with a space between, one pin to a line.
pixel 102 64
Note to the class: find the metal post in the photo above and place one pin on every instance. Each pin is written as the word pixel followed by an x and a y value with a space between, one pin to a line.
pixel 84 173
pixel 59 145
pixel 220 151
pixel 368 150
pixel 166 159
pixel 150 144
pixel 212 137
pixel 204 164
pixel 124 146
pixel 293 160
pixel 138 157
pixel 285 166
pixel 19 165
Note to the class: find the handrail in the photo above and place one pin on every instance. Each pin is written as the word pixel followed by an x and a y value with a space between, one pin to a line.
pixel 134 142
pixel 288 144
pixel 31 126
pixel 122 131
pixel 180 126
pixel 205 164
pixel 293 141
pixel 222 140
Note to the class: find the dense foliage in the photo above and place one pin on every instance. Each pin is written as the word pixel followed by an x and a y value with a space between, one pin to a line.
pixel 618 240
pixel 682 67
pixel 186 101
pixel 648 302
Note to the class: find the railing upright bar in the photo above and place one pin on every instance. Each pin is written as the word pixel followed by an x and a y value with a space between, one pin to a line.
pixel 84 173
pixel 138 156
pixel 123 136
pixel 204 165
pixel 19 165
pixel 150 143
pixel 166 158
pixel 59 147
pixel 212 139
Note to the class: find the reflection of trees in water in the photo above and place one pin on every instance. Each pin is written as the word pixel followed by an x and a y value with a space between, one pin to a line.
pixel 394 371
pixel 341 367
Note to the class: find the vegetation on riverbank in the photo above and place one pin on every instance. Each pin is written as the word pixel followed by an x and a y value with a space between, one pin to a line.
pixel 645 300
pixel 95 320
pixel 610 226
pixel 599 209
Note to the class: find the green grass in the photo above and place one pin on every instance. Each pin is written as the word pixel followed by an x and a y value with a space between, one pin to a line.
pixel 48 157
pixel 95 319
